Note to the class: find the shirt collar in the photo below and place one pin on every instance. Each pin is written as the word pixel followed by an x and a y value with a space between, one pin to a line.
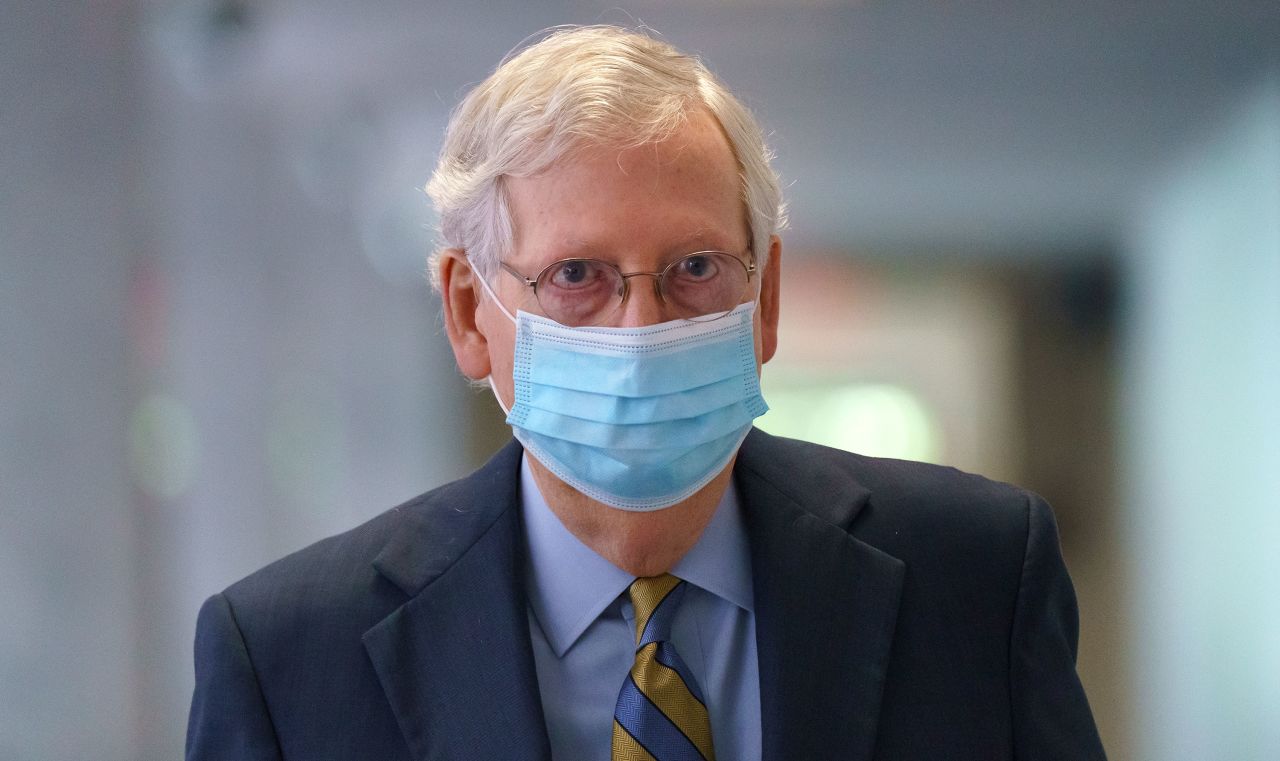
pixel 569 585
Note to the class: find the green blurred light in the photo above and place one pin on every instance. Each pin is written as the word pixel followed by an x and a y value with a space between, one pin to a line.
pixel 878 419
pixel 163 446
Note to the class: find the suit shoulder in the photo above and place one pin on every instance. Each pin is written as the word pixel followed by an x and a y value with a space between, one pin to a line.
pixel 328 570
pixel 947 522
pixel 808 465
pixel 961 536
pixel 940 488
pixel 935 505
pixel 422 536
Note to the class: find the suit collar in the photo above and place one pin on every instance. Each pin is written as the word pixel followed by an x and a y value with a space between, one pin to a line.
pixel 439 527
pixel 455 661
pixel 826 603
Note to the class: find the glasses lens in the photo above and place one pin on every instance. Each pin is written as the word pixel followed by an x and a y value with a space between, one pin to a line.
pixel 579 292
pixel 705 284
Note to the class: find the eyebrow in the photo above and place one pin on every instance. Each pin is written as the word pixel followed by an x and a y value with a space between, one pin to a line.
pixel 700 236
pixel 579 247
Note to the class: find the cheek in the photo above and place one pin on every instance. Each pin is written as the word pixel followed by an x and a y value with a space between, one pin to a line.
pixel 502 369
pixel 499 336
pixel 501 353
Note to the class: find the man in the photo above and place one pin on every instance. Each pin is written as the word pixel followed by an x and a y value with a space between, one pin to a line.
pixel 641 574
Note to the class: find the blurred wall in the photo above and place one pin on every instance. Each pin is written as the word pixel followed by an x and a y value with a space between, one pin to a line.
pixel 1202 444
pixel 70 613
pixel 218 346
pixel 216 342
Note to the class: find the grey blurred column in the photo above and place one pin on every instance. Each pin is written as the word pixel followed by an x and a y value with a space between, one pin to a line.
pixel 217 344
pixel 300 382
pixel 70 616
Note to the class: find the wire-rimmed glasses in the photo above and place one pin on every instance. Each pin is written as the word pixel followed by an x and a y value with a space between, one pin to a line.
pixel 703 285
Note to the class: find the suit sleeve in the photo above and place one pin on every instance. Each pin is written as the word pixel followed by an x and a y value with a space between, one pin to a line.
pixel 1051 716
pixel 229 718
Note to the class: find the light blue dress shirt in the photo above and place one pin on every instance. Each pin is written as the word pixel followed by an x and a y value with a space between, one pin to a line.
pixel 583 630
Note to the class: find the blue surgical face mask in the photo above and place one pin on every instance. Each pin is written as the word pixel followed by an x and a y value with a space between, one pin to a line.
pixel 637 418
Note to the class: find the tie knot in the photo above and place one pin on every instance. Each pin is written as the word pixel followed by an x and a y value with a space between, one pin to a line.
pixel 655 599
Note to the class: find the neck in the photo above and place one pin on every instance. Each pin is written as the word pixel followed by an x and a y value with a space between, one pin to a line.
pixel 642 544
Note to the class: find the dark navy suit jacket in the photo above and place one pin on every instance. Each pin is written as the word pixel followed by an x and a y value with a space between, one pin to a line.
pixel 903 611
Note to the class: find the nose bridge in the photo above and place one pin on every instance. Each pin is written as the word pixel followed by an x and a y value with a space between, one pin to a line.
pixel 643 306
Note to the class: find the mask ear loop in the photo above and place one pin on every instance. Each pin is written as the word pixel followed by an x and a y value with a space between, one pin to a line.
pixel 488 290
pixel 496 395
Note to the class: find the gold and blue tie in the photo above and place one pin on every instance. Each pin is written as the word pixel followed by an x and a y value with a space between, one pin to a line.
pixel 661 714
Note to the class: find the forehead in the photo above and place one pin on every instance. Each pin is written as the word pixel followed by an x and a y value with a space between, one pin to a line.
pixel 644 202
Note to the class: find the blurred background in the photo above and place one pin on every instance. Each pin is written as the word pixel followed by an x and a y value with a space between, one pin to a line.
pixel 1036 240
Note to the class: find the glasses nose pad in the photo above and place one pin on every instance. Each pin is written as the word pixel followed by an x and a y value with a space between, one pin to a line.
pixel 658 290
pixel 648 313
pixel 624 285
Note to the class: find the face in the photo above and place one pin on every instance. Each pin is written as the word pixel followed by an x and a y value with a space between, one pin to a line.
pixel 639 208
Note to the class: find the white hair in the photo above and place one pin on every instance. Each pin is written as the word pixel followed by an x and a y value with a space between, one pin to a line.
pixel 582 86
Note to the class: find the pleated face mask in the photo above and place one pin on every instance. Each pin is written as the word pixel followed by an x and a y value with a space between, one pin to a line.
pixel 637 418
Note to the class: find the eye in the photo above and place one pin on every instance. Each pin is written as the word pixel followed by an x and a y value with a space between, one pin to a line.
pixel 697 267
pixel 573 273
pixel 578 291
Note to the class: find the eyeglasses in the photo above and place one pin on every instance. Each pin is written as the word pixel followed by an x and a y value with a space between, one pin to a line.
pixel 700 286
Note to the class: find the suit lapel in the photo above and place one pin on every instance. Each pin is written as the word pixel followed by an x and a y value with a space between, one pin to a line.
pixel 826 605
pixel 455 661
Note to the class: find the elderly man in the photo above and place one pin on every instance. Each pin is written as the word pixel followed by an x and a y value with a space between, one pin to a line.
pixel 640 574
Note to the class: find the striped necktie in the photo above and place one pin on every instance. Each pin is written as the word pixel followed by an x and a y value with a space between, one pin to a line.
pixel 660 715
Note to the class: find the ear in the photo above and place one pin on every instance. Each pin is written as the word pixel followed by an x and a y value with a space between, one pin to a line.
pixel 770 286
pixel 460 292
